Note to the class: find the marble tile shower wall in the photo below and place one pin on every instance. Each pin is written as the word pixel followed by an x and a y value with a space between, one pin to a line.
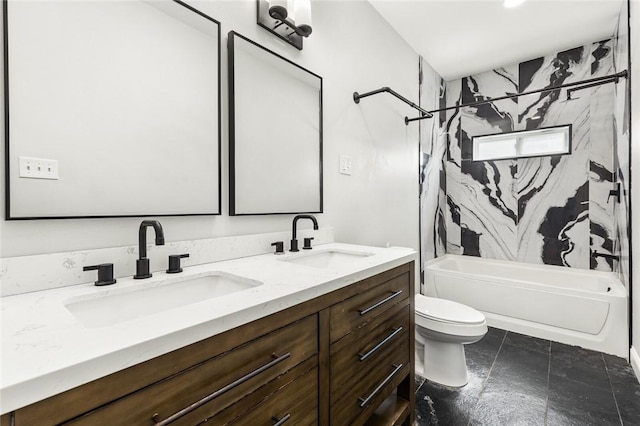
pixel 432 173
pixel 621 128
pixel 554 209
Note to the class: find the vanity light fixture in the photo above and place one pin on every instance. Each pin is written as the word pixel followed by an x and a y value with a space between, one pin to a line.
pixel 512 3
pixel 290 20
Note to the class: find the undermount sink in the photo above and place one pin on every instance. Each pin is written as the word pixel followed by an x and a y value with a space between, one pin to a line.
pixel 115 306
pixel 328 259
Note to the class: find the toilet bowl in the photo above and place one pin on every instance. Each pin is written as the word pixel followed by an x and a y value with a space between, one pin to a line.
pixel 442 328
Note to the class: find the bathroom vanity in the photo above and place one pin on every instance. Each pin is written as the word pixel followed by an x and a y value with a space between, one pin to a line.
pixel 336 350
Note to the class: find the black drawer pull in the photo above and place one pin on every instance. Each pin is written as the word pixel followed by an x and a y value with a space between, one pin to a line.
pixel 365 401
pixel 281 421
pixel 382 302
pixel 386 340
pixel 220 391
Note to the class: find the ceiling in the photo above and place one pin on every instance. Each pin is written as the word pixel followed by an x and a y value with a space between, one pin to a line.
pixel 465 37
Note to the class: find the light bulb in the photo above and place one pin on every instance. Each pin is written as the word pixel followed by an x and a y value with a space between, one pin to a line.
pixel 278 9
pixel 302 12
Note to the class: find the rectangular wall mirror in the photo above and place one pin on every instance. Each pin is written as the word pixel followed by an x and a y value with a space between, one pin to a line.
pixel 275 133
pixel 120 100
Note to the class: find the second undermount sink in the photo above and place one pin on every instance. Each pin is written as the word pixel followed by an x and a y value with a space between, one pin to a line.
pixel 328 259
pixel 114 306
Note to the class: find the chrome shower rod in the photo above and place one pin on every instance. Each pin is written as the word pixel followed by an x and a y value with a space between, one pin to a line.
pixel 357 97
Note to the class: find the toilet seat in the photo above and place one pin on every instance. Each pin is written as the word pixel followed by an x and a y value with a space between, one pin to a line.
pixel 446 317
pixel 447 311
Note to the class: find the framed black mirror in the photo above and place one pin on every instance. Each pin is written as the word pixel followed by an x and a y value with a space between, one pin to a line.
pixel 275 132
pixel 112 109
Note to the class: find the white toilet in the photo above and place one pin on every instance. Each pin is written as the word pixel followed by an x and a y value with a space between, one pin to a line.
pixel 442 327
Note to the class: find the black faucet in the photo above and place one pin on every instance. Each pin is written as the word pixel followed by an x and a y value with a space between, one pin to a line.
pixel 294 241
pixel 142 264
pixel 605 255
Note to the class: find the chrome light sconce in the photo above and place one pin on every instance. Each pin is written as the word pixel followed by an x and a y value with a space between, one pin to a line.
pixel 289 20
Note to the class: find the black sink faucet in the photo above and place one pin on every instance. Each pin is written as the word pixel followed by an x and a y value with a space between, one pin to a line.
pixel 294 241
pixel 142 264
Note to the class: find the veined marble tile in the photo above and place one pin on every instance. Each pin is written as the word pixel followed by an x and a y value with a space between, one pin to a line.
pixel 490 84
pixel 621 40
pixel 452 164
pixel 622 144
pixel 490 117
pixel 602 175
pixel 442 103
pixel 601 128
pixel 554 70
pixel 450 120
pixel 602 58
pixel 496 117
pixel 488 209
pixel 432 184
pixel 561 213
pixel 551 109
pixel 453 95
pixel 452 208
pixel 432 188
pixel 553 210
pixel 441 216
pixel 453 135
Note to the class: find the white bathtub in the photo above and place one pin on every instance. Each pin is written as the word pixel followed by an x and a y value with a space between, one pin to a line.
pixel 572 306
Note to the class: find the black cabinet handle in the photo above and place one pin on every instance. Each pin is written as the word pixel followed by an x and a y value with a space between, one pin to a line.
pixel 382 302
pixel 105 273
pixel 174 263
pixel 282 421
pixel 396 331
pixel 365 401
pixel 172 418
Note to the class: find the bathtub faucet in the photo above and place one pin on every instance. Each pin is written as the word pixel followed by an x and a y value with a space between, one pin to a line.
pixel 606 256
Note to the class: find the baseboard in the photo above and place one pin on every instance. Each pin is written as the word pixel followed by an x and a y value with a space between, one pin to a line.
pixel 635 362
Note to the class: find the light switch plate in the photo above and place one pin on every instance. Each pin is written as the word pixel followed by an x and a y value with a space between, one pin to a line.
pixel 345 165
pixel 38 168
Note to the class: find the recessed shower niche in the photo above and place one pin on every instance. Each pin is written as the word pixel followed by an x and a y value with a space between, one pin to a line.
pixel 275 133
pixel 124 95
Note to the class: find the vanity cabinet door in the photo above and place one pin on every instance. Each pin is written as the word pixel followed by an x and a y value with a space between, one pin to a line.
pixel 219 382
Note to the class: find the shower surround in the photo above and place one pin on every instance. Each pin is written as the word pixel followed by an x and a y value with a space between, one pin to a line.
pixel 551 210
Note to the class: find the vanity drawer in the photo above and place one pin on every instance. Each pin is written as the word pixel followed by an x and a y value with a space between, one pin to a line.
pixel 296 404
pixel 353 356
pixel 355 311
pixel 218 382
pixel 376 384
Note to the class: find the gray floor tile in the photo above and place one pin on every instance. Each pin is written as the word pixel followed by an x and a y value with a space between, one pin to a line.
pixel 520 380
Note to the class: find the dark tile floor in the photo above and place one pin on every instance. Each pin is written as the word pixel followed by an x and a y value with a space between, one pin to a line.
pixel 521 380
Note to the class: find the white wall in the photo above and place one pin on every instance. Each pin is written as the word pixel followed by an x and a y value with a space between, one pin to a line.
pixel 353 49
pixel 634 10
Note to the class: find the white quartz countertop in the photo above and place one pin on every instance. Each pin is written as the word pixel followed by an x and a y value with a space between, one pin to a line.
pixel 47 350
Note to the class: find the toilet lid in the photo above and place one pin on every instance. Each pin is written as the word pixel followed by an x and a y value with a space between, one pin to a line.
pixel 447 311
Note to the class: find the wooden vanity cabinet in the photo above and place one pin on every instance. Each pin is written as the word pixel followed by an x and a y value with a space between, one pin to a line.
pixel 342 358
